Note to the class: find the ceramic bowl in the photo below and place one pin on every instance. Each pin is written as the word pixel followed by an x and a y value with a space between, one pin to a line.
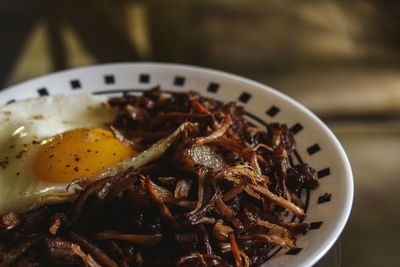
pixel 328 207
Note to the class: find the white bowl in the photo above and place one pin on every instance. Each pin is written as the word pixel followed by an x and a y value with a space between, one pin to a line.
pixel 328 206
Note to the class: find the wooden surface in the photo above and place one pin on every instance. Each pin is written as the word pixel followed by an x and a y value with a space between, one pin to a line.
pixel 341 59
pixel 371 235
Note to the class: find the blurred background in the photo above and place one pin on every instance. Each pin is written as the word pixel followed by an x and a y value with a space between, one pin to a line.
pixel 339 58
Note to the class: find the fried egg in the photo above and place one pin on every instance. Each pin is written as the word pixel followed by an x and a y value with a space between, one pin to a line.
pixel 47 142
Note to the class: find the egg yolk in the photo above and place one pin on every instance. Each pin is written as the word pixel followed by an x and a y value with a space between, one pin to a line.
pixel 78 153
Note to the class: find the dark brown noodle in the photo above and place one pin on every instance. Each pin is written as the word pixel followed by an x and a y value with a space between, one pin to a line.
pixel 222 195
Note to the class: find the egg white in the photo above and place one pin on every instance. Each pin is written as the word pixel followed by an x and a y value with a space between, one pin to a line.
pixel 25 124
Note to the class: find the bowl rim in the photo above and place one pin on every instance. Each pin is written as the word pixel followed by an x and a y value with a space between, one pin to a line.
pixel 344 161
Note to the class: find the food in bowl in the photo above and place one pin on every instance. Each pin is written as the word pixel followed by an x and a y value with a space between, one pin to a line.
pixel 182 180
pixel 47 142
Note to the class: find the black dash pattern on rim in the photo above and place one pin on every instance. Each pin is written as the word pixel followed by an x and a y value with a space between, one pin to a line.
pixel 313 149
pixel 213 88
pixel 294 251
pixel 179 81
pixel 315 225
pixel 10 101
pixel 109 79
pixel 244 97
pixel 324 198
pixel 295 129
pixel 43 91
pixel 75 84
pixel 272 111
pixel 144 78
pixel 323 173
